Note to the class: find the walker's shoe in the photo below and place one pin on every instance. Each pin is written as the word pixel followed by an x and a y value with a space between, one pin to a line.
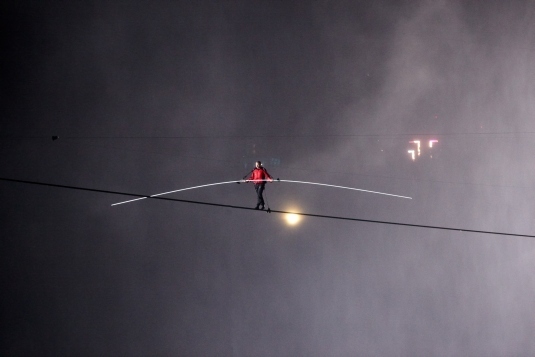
pixel 256 207
pixel 262 208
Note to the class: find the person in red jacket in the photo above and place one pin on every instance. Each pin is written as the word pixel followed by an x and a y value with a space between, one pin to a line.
pixel 259 176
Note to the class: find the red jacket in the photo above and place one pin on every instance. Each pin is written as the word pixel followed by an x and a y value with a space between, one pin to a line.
pixel 259 175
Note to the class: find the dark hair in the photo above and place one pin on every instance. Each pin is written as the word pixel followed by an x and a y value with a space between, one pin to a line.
pixel 259 162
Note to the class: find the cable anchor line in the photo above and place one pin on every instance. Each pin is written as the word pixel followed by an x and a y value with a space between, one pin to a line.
pixel 277 180
pixel 87 189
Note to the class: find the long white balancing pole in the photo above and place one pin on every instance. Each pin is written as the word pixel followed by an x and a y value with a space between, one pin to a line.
pixel 346 188
pixel 182 189
pixel 277 180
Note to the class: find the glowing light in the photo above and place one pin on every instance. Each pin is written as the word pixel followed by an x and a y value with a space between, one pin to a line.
pixel 412 153
pixel 417 142
pixel 431 143
pixel 292 219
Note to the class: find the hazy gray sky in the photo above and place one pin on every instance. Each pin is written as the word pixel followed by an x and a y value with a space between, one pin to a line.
pixel 154 96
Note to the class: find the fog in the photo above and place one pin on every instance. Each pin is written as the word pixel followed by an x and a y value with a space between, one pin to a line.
pixel 150 97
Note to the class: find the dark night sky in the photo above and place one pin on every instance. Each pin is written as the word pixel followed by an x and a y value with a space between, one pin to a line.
pixel 154 96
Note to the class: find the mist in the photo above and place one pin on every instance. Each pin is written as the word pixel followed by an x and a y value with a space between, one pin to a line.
pixel 150 97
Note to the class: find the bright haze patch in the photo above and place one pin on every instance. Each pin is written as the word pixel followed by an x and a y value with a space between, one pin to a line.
pixel 292 218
